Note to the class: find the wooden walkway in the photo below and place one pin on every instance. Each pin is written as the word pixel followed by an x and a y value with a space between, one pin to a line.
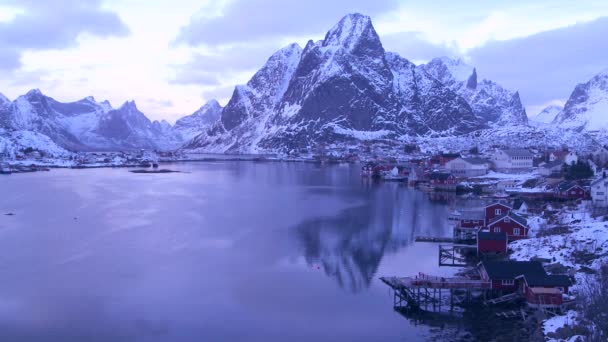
pixel 433 282
pixel 431 293
pixel 433 239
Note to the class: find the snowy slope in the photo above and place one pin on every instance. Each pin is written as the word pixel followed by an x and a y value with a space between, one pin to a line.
pixel 587 107
pixel 14 141
pixel 548 114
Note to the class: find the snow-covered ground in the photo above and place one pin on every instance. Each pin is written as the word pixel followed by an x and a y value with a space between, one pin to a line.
pixel 575 240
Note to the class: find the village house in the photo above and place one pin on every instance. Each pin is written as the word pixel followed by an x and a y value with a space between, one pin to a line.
pixel 467 167
pixel 551 168
pixel 506 185
pixel 599 192
pixel 513 160
pixel 528 279
pixel 600 156
pixel 468 223
pixel 495 210
pixel 439 161
pixel 567 157
pixel 443 181
pixel 570 191
pixel 515 226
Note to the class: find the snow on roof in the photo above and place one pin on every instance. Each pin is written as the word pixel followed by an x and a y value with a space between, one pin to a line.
pixel 476 161
pixel 518 152
pixel 512 269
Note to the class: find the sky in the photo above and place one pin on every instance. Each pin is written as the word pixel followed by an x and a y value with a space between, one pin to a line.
pixel 171 57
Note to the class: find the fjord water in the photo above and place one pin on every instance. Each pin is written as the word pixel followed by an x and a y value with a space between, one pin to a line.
pixel 228 251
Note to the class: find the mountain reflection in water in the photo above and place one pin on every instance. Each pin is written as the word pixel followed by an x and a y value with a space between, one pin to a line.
pixel 350 246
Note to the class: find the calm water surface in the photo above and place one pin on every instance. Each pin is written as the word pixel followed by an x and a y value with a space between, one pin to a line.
pixel 229 251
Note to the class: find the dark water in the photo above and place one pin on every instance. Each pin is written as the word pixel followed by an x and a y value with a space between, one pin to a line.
pixel 231 251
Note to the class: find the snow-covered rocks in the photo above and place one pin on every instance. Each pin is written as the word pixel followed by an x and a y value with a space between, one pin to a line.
pixel 587 107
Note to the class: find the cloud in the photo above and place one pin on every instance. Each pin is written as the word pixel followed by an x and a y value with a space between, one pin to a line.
pixel 545 66
pixel 41 25
pixel 160 103
pixel 255 20
pixel 223 63
pixel 414 47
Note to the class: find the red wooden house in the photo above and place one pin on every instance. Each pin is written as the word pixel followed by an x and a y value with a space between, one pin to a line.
pixel 528 278
pixel 512 224
pixel 570 191
pixel 443 181
pixel 495 210
pixel 491 243
pixel 543 290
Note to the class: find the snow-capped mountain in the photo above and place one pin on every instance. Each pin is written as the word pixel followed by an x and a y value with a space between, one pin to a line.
pixel 90 125
pixel 488 99
pixel 587 107
pixel 548 115
pixel 125 127
pixel 190 126
pixel 36 112
pixel 344 87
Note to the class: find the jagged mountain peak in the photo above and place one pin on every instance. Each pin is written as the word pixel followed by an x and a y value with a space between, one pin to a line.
pixel 472 81
pixel 349 31
pixel 129 106
pixel 34 92
pixel 449 70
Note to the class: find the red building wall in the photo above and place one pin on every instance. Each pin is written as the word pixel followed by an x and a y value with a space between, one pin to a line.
pixel 574 193
pixel 508 227
pixel 543 298
pixel 491 246
pixel 491 213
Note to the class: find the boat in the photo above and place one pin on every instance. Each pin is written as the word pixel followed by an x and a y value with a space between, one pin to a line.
pixel 5 169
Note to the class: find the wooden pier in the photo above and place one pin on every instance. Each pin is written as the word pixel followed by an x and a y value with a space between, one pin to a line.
pixel 430 292
pixel 455 255
pixel 433 239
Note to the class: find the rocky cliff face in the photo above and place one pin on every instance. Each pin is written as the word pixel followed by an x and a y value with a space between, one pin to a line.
pixel 587 106
pixel 344 87
pixel 489 101
pixel 189 126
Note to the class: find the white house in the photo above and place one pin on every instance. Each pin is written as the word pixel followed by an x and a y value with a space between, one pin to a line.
pixel 599 192
pixel 570 158
pixel 601 155
pixel 552 168
pixel 513 160
pixel 467 167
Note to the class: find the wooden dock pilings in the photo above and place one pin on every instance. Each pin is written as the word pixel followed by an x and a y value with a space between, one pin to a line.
pixel 426 292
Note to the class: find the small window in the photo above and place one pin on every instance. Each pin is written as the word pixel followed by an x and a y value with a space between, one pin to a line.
pixel 496 229
pixel 508 282
pixel 515 231
pixel 498 212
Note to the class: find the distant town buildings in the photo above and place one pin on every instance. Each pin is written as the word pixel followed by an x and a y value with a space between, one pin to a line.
pixel 513 160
